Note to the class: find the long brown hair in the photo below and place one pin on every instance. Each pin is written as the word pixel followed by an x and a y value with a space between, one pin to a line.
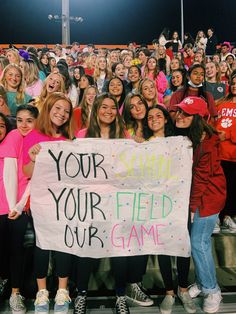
pixel 116 127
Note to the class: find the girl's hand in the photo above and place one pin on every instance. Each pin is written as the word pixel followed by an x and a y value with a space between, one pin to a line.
pixel 33 151
pixel 13 215
pixel 138 139
pixel 221 135
pixel 192 217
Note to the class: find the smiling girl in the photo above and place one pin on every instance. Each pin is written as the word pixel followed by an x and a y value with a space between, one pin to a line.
pixel 55 123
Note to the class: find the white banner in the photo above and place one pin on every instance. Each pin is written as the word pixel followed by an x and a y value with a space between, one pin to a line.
pixel 101 198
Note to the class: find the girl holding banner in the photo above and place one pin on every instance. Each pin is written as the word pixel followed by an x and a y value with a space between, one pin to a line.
pixel 159 124
pixel 55 123
pixel 207 198
pixel 106 123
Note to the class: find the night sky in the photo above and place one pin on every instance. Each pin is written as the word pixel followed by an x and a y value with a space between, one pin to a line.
pixel 113 21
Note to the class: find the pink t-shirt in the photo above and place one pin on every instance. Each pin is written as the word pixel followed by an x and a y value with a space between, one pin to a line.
pixel 35 137
pixel 11 147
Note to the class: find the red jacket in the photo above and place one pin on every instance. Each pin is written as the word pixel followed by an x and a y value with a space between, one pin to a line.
pixel 208 191
pixel 227 123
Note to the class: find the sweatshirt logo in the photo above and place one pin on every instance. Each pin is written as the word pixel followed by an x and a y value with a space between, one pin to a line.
pixel 226 123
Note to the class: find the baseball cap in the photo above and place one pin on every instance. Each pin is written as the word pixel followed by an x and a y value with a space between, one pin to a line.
pixel 194 105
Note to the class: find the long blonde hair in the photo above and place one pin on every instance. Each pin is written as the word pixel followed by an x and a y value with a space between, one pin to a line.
pixel 20 94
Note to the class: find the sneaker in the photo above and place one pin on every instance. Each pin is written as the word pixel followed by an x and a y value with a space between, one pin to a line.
pixel 229 225
pixel 3 283
pixel 217 227
pixel 122 306
pixel 167 304
pixel 187 301
pixel 136 296
pixel 212 301
pixel 16 303
pixel 80 303
pixel 41 304
pixel 62 301
pixel 194 290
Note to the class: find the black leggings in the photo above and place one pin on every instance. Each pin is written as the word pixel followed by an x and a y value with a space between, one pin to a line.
pixel 229 168
pixel 128 269
pixel 11 247
pixel 41 261
pixel 183 264
pixel 84 266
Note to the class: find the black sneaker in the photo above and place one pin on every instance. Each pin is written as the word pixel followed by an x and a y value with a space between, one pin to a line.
pixel 121 305
pixel 80 303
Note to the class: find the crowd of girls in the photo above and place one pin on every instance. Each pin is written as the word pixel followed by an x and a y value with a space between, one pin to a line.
pixel 135 95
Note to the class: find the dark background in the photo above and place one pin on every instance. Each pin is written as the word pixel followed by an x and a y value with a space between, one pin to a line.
pixel 113 21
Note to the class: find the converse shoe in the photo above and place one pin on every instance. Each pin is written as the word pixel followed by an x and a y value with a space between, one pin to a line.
pixel 187 301
pixel 16 303
pixel 229 225
pixel 167 304
pixel 122 306
pixel 211 302
pixel 194 290
pixel 80 303
pixel 62 301
pixel 41 304
pixel 136 296
pixel 217 227
pixel 3 283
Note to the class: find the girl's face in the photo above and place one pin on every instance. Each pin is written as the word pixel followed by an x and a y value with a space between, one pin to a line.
pixel 53 62
pixel 90 96
pixel 230 60
pixel 120 71
pixel 114 57
pixel 174 64
pixel 179 55
pixel 127 61
pixel 137 108
pixel 211 70
pixel 44 60
pixel 83 83
pixel 234 65
pixel 233 87
pixel 183 120
pixel 107 112
pixel 102 64
pixel 156 121
pixel 216 58
pixel 53 83
pixel 59 113
pixel 197 76
pixel 175 35
pixel 149 90
pixel 13 79
pixel 200 34
pixel 151 64
pixel 115 87
pixel 223 67
pixel 25 122
pixel 77 74
pixel 177 78
pixel 11 57
pixel 133 75
pixel 3 129
pixel 142 57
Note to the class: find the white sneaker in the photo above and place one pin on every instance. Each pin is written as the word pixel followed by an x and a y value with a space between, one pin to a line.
pixel 62 301
pixel 211 302
pixel 217 227
pixel 41 304
pixel 16 303
pixel 187 301
pixel 229 225
pixel 167 304
pixel 194 290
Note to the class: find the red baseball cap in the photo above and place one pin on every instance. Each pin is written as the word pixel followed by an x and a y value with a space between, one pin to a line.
pixel 194 105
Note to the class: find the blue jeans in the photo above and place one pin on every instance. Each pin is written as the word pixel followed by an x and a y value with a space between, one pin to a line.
pixel 201 231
